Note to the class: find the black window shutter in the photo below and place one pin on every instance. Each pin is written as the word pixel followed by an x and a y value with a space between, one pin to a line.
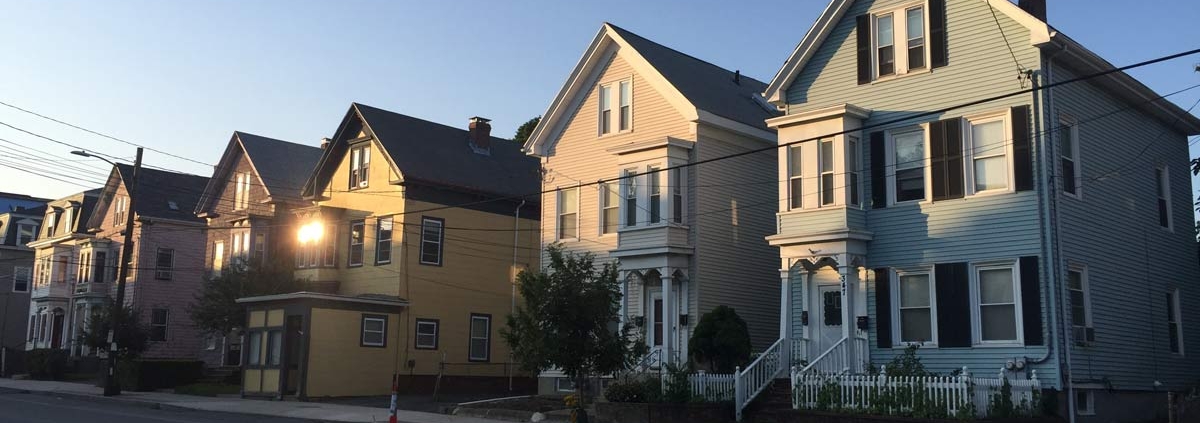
pixel 883 308
pixel 945 153
pixel 864 49
pixel 953 305
pixel 1031 300
pixel 937 33
pixel 1022 153
pixel 878 171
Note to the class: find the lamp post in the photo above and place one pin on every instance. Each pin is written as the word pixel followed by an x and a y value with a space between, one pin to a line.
pixel 111 385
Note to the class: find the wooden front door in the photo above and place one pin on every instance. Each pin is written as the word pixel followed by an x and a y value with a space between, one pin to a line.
pixel 828 330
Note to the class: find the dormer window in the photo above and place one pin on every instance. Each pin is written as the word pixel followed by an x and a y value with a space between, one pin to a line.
pixel 623 91
pixel 25 233
pixel 360 164
pixel 51 222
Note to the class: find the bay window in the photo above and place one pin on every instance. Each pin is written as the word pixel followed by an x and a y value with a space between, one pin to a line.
pixel 795 177
pixel 852 170
pixel 629 180
pixel 655 176
pixel 825 165
pixel 677 195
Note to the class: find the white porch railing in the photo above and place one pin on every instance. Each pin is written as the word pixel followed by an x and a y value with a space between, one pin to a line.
pixel 713 386
pixel 886 395
pixel 862 355
pixel 832 361
pixel 800 351
pixel 652 361
pixel 757 376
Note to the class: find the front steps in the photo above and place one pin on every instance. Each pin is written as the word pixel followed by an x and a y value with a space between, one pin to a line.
pixel 767 406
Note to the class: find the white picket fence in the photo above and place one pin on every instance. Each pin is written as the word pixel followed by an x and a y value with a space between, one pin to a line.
pixel 901 395
pixel 713 386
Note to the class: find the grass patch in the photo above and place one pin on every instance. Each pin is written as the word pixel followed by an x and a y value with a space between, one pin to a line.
pixel 208 389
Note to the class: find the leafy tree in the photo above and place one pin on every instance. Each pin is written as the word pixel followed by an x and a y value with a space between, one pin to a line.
pixel 721 339
pixel 215 309
pixel 569 319
pixel 132 335
pixel 525 130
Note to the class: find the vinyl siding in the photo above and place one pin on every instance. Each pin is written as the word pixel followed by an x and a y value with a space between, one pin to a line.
pixel 814 221
pixel 579 156
pixel 734 214
pixel 1004 226
pixel 1131 261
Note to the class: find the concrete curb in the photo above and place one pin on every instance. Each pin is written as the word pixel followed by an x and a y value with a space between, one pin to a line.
pixel 151 404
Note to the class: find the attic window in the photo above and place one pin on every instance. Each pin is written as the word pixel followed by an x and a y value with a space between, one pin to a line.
pixel 173 206
pixel 623 103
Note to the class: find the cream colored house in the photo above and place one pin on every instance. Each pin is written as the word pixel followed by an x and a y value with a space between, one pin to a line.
pixel 642 119
pixel 409 254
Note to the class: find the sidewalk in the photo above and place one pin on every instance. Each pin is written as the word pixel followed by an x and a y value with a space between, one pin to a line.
pixel 300 410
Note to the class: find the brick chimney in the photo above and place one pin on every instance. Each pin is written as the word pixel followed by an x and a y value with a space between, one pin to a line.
pixel 480 133
pixel 1037 8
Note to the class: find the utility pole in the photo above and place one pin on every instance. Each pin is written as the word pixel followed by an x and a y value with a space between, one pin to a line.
pixel 111 385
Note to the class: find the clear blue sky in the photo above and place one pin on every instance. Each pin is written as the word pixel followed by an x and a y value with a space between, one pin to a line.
pixel 181 76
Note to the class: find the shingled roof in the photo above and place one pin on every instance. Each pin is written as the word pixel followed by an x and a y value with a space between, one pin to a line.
pixel 283 166
pixel 437 154
pixel 709 87
pixel 162 194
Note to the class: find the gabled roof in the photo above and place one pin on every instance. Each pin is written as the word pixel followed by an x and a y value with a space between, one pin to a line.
pixel 1041 34
pixel 699 90
pixel 282 166
pixel 434 154
pixel 159 194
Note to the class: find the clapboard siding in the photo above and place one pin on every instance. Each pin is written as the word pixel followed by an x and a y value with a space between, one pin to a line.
pixel 816 221
pixel 1131 262
pixel 736 266
pixel 654 236
pixel 1004 226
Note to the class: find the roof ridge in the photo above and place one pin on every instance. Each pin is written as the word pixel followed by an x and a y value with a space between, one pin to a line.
pixel 424 120
pixel 626 31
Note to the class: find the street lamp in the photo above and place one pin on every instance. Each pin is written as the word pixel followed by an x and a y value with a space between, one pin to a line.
pixel 111 385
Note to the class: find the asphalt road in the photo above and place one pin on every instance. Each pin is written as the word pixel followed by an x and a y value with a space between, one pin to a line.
pixel 19 407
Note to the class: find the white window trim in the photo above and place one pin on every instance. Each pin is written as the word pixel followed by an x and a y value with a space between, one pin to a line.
pixel 833 171
pixel 28 278
pixel 166 325
pixel 1067 122
pixel 1087 295
pixel 677 179
pixel 976 320
pixel 933 320
pixel 890 161
pixel 630 176
pixel 899 38
pixel 1088 406
pixel 382 332
pixel 471 338
pixel 379 241
pixel 969 152
pixel 654 173
pixel 417 340
pixel 158 269
pixel 1178 320
pixel 558 212
pixel 1165 195
pixel 614 104
pixel 440 241
pixel 602 190
pixel 789 177
pixel 854 172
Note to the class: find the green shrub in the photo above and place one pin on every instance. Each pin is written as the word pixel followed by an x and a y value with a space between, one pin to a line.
pixel 677 388
pixel 640 390
pixel 46 363
pixel 148 375
pixel 721 340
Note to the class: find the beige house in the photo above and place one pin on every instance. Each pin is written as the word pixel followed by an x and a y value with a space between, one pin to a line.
pixel 409 250
pixel 642 119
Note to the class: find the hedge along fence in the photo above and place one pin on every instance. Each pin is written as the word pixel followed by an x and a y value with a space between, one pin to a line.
pixel 149 375
pixel 958 396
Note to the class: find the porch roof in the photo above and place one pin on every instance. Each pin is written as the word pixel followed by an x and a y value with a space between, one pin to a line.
pixel 384 300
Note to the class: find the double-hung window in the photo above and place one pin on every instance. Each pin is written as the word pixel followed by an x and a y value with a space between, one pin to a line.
pixel 916 311
pixel 852 170
pixel 158 324
pixel 898 29
pixel 915 30
pixel 908 162
pixel 1174 323
pixel 360 165
pixel 605 109
pixel 21 278
pixel 677 195
pixel 568 213
pixel 241 191
pixel 99 266
pixel 1068 146
pixel 654 185
pixel 1081 313
pixel 623 103
pixel 164 264
pixel 625 121
pixel 357 236
pixel 427 334
pixel 1162 188
pixel 432 238
pixel 25 233
pixel 383 240
pixel 260 248
pixel 826 167
pixel 121 204
pixel 218 258
pixel 987 141
pixel 795 177
pixel 996 294
pixel 481 338
pixel 610 209
pixel 629 181
pixel 374 331
pixel 885 48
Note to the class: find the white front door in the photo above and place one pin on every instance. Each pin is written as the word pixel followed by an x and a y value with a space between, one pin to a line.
pixel 828 320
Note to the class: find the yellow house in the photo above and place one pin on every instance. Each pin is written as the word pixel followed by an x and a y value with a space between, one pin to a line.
pixel 409 251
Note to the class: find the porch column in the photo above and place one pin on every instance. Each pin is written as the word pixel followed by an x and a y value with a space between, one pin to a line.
pixel 684 304
pixel 849 283
pixel 668 323
pixel 785 314
pixel 624 316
